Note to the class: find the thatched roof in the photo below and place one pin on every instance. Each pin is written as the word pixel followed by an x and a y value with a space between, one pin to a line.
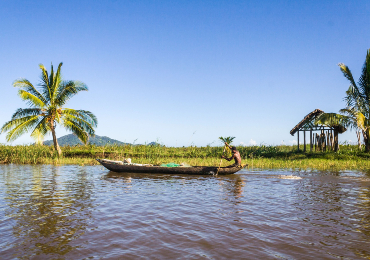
pixel 307 120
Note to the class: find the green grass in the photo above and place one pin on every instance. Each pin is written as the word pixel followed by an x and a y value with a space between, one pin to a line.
pixel 257 157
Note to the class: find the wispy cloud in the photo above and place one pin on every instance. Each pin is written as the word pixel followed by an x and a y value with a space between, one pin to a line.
pixel 252 142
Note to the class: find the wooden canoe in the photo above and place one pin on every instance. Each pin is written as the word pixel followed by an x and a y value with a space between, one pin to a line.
pixel 194 170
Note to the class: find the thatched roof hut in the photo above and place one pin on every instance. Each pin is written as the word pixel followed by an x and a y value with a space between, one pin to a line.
pixel 328 136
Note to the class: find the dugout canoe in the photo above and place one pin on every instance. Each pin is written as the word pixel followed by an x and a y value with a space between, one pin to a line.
pixel 194 170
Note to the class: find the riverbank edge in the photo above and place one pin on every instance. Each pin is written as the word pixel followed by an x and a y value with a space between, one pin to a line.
pixel 253 164
pixel 257 157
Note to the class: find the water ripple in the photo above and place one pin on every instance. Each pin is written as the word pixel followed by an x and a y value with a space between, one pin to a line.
pixel 73 212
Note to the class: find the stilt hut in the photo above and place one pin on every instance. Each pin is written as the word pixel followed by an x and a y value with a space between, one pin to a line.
pixel 327 137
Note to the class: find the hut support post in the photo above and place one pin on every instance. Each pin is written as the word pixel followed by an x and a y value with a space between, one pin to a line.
pixel 311 141
pixel 327 141
pixel 332 140
pixel 322 139
pixel 298 140
pixel 304 141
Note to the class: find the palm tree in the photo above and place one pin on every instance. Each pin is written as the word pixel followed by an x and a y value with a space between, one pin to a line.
pixel 46 109
pixel 351 115
pixel 358 98
pixel 336 121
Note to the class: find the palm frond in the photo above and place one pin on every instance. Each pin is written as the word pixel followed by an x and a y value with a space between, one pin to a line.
pixel 31 100
pixel 83 114
pixel 83 124
pixel 19 126
pixel 361 121
pixel 333 120
pixel 77 130
pixel 67 90
pixel 41 129
pixel 353 92
pixel 22 112
pixel 45 83
pixel 364 81
pixel 38 137
pixel 13 123
pixel 51 81
pixel 27 86
pixel 57 80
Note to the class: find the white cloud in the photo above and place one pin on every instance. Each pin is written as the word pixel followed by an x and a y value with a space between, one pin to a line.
pixel 242 143
pixel 282 142
pixel 252 142
pixel 293 142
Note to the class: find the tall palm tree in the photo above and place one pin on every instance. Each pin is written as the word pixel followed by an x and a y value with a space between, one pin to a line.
pixel 358 97
pixel 46 109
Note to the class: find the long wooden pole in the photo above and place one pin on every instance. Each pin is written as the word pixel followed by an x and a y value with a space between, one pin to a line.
pixel 221 160
pixel 298 140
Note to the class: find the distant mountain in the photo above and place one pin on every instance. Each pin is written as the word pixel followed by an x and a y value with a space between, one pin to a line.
pixel 71 140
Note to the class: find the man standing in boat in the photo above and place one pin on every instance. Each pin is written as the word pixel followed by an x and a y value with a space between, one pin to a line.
pixel 235 156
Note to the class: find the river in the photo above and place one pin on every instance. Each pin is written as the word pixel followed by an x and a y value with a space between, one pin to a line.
pixel 87 212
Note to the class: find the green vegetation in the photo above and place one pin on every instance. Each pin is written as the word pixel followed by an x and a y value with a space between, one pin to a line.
pixel 257 157
pixel 46 109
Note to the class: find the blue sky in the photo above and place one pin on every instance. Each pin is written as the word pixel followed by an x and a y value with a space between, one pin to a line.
pixel 187 72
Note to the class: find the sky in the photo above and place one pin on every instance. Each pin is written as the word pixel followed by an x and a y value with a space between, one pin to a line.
pixel 187 72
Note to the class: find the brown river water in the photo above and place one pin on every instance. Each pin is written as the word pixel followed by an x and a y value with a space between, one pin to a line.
pixel 75 212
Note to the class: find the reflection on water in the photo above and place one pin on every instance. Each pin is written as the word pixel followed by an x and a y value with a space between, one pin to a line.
pixel 73 212
pixel 47 210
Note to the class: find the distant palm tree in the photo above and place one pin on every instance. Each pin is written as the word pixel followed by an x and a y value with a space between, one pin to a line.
pixel 351 115
pixel 47 109
pixel 358 98
pixel 338 122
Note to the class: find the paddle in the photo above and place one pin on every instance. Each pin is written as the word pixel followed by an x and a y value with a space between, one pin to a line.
pixel 221 160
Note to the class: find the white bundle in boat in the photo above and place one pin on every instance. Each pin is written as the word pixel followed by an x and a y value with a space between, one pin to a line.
pixel 110 161
pixel 126 162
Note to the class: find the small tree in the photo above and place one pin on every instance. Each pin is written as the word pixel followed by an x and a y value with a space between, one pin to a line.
pixel 46 109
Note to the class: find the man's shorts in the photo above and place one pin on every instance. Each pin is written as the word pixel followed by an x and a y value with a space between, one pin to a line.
pixel 234 165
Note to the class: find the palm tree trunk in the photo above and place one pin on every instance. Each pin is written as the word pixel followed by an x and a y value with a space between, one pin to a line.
pixel 336 141
pixel 56 145
pixel 365 134
pixel 359 139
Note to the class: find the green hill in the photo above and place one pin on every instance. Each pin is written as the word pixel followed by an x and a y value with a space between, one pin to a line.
pixel 71 140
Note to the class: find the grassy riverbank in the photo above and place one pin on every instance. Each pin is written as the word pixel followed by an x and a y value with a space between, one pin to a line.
pixel 258 157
